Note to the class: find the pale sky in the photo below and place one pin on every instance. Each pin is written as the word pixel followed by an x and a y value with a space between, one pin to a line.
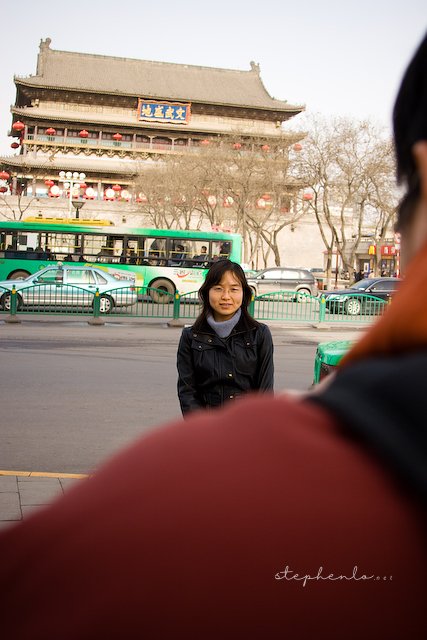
pixel 336 57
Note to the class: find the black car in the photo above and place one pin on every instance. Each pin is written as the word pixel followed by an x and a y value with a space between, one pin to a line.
pixel 369 295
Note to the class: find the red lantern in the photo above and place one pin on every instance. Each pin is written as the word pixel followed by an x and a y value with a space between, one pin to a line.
pixel 83 185
pixel 265 147
pixel 49 183
pixel 205 143
pixel 18 126
pixel 15 145
pixel 297 146
pixel 4 175
pixel 51 131
pixel 307 196
pixel 116 187
pixel 237 145
pixel 117 137
pixel 3 189
pixel 83 133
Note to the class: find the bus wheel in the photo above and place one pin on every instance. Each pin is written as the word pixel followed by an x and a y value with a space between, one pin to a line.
pixel 6 302
pixel 105 304
pixel 162 285
pixel 18 275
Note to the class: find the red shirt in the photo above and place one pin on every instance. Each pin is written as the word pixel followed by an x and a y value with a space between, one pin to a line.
pixel 199 529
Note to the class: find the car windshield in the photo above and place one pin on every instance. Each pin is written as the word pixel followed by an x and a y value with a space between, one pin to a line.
pixel 362 284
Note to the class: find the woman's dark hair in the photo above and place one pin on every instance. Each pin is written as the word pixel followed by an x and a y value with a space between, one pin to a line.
pixel 214 277
pixel 410 126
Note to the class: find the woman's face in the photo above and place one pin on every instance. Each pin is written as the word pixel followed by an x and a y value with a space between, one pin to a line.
pixel 226 297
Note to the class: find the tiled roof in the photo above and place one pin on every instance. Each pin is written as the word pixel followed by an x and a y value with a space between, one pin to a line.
pixel 89 165
pixel 157 80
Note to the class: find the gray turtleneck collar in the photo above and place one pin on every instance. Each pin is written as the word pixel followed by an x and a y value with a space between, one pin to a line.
pixel 223 329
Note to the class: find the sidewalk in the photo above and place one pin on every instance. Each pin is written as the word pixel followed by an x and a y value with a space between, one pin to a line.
pixel 21 493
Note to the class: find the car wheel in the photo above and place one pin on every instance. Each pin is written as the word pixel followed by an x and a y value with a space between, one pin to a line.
pixel 301 295
pixel 162 285
pixel 105 304
pixel 352 307
pixel 6 302
pixel 18 275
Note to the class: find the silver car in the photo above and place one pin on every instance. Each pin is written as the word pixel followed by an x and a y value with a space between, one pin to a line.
pixel 69 286
pixel 283 279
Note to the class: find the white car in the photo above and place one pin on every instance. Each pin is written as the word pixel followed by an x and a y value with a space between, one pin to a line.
pixel 287 279
pixel 69 286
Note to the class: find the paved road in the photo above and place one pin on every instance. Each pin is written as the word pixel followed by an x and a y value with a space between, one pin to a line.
pixel 72 394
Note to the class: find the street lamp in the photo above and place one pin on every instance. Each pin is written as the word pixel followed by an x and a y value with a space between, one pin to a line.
pixel 72 181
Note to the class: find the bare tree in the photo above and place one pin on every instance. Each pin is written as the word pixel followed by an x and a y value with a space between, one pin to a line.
pixel 232 182
pixel 347 166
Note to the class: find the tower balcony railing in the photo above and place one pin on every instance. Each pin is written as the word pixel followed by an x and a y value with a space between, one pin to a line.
pixel 97 143
pixel 192 145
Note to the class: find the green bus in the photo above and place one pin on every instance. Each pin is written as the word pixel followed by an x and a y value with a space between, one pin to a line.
pixel 169 260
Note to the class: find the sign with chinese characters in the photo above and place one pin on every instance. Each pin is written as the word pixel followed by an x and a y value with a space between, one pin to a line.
pixel 175 112
pixel 388 250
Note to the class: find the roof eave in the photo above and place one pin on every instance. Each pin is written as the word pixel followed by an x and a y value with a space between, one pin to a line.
pixel 281 107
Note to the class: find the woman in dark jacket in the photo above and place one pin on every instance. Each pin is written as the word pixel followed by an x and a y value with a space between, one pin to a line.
pixel 226 352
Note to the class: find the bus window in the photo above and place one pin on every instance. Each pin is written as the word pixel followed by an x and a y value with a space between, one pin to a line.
pixel 200 255
pixel 221 250
pixel 156 251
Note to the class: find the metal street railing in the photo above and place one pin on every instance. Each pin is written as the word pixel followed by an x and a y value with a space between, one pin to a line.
pixel 147 302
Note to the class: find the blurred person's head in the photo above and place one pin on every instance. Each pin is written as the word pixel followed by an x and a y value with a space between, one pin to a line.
pixel 410 137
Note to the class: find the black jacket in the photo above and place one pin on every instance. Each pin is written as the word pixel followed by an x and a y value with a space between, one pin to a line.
pixel 379 402
pixel 214 370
